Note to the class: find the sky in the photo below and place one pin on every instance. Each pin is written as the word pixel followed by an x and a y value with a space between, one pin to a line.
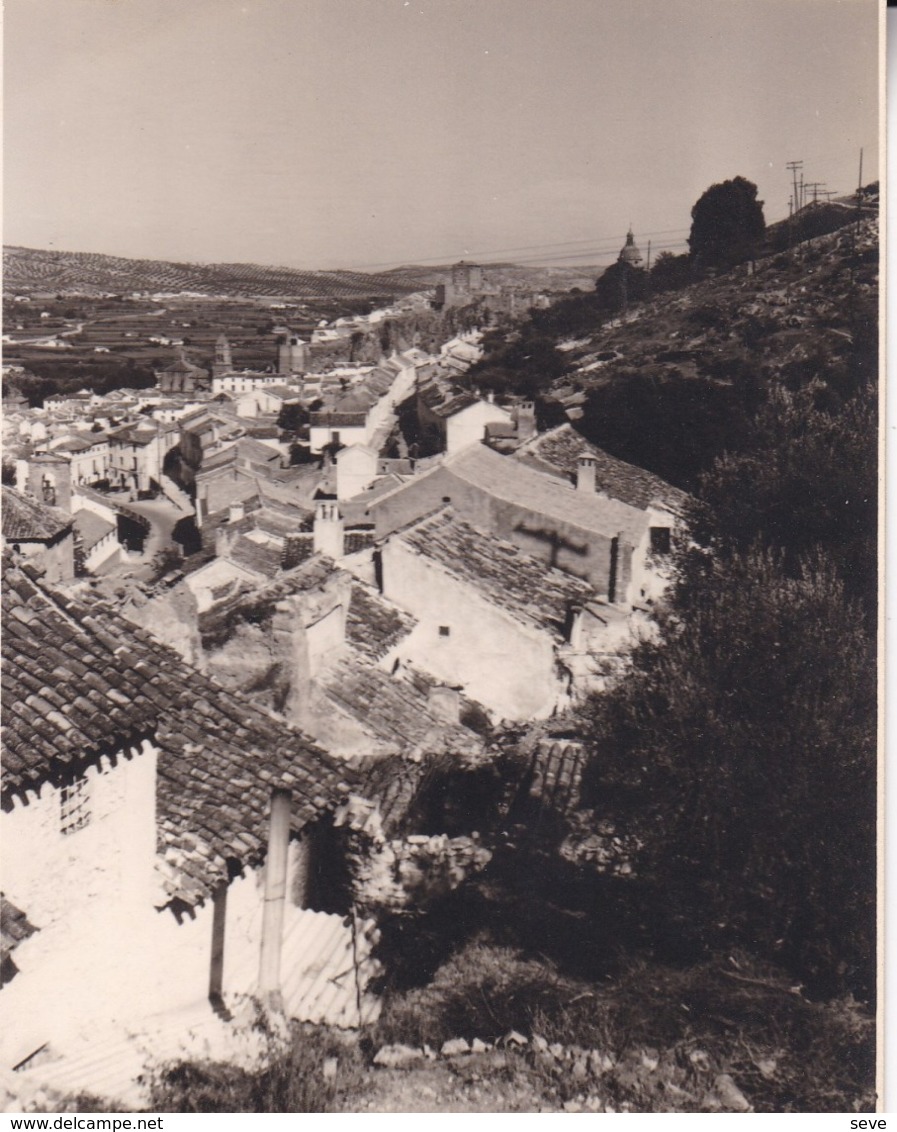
pixel 369 133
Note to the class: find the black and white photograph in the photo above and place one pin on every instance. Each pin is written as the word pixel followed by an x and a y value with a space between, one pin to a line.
pixel 441 593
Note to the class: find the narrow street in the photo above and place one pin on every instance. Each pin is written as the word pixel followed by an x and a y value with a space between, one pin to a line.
pixel 163 517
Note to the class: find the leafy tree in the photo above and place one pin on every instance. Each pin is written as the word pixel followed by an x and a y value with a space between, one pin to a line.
pixel 620 285
pixel 670 272
pixel 673 427
pixel 292 417
pixel 741 749
pixel 806 481
pixel 727 224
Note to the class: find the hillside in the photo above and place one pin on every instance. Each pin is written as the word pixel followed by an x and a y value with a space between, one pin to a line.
pixel 30 269
pixel 669 385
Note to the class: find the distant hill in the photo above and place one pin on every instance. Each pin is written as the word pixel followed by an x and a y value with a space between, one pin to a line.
pixel 535 276
pixel 28 270
pixel 31 269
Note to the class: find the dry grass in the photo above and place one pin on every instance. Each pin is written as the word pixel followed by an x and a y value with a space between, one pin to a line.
pixel 669 1032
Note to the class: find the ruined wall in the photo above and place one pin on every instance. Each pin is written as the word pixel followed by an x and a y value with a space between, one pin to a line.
pixel 172 619
pixel 272 650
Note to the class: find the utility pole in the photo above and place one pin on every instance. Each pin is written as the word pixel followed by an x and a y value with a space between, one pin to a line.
pixel 856 227
pixel 794 166
pixel 648 271
pixel 815 186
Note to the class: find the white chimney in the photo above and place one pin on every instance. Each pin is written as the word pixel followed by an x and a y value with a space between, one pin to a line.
pixel 586 472
pixel 327 532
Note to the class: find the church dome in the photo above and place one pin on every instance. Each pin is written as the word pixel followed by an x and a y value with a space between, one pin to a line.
pixel 630 253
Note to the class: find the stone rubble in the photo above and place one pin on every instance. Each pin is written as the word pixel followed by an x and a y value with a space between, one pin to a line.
pixel 580 1065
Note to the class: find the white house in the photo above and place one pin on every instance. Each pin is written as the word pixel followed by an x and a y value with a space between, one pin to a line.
pixel 466 423
pixel 490 618
pixel 138 855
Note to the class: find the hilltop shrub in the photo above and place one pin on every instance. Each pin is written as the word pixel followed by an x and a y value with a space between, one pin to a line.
pixel 742 742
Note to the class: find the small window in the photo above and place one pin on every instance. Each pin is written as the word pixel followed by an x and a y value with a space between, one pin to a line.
pixel 74 806
pixel 660 540
pixel 444 631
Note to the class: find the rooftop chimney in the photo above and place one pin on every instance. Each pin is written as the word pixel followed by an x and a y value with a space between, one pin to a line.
pixel 586 470
pixel 327 533
pixel 526 419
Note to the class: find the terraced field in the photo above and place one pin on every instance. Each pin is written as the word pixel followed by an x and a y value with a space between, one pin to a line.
pixel 32 270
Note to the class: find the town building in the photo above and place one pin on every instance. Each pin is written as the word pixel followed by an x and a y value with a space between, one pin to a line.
pixel 579 524
pixel 182 377
pixel 137 795
pixel 42 534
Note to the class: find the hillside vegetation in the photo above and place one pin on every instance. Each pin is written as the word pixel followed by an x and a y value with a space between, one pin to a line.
pixel 31 269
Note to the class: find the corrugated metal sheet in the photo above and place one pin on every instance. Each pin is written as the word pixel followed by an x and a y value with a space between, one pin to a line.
pixel 320 984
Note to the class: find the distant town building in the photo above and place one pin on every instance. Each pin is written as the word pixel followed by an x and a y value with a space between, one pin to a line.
pixel 292 354
pixel 630 253
pixel 182 377
pixel 223 360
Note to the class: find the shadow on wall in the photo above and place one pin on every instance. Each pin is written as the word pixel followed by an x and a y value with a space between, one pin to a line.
pixel 556 541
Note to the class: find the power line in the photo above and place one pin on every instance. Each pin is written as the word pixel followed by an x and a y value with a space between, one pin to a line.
pixel 451 256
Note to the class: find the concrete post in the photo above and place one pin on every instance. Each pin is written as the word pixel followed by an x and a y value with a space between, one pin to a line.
pixel 275 895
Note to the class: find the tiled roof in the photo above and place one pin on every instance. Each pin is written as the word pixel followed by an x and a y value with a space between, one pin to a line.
pixel 328 419
pixel 514 481
pixel 26 519
pixel 455 404
pixel 79 680
pixel 181 365
pixel 217 623
pixel 392 709
pixel 397 784
pixel 261 558
pixel 374 625
pixel 555 774
pixel 283 392
pixel 14 927
pixel 91 528
pixel 133 434
pixel 74 444
pixel 521 585
pixel 354 541
pixel 559 449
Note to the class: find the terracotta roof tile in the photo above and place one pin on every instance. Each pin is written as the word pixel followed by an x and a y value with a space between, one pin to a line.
pixel 374 625
pixel 14 927
pixel 508 578
pixel 26 519
pixel 559 449
pixel 139 689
